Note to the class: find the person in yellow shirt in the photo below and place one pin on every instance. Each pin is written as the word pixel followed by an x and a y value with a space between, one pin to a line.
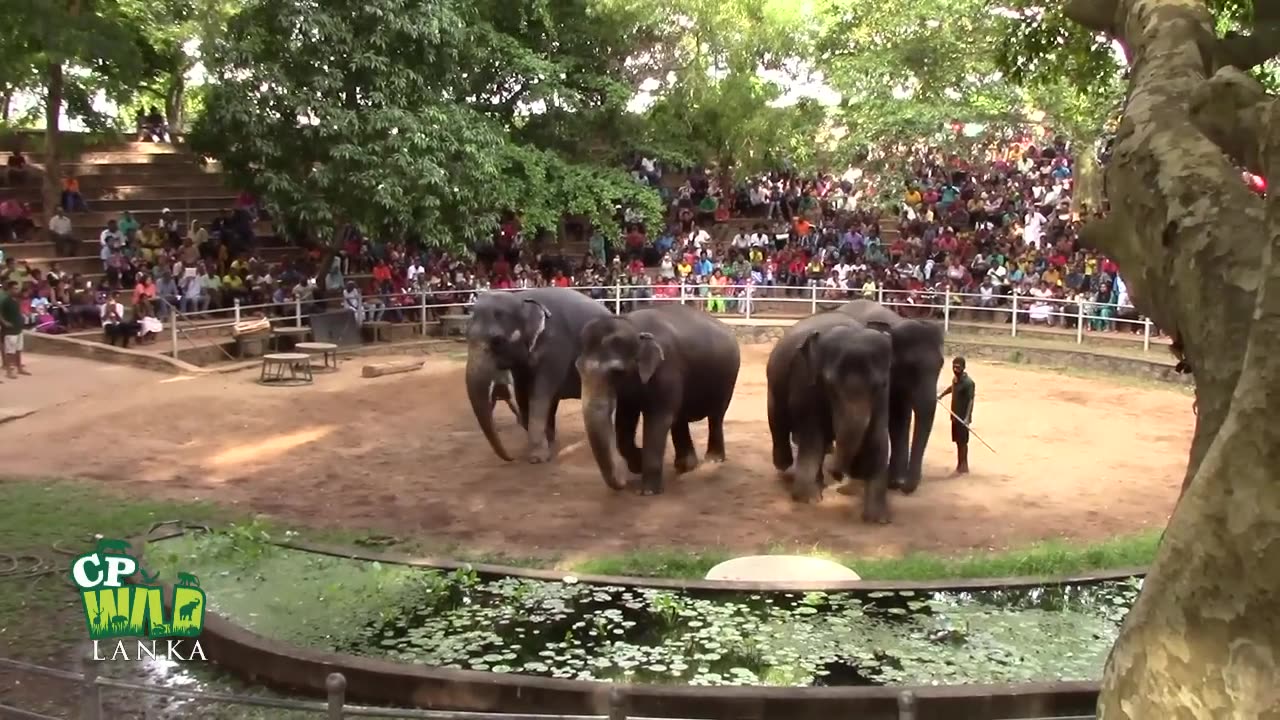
pixel 1052 276
pixel 684 269
pixel 232 285
pixel 912 196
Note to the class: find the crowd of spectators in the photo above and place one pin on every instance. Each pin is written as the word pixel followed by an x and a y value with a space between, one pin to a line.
pixel 909 230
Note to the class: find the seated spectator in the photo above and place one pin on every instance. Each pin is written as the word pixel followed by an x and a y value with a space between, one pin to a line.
pixel 153 127
pixel 64 243
pixel 149 327
pixel 15 221
pixel 114 325
pixel 17 170
pixel 71 198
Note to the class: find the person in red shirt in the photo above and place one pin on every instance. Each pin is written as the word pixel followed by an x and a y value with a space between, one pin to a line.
pixel 636 266
pixel 501 267
pixel 560 280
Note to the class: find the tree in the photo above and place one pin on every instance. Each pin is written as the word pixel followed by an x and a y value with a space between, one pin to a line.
pixel 44 37
pixel 907 69
pixel 373 112
pixel 1201 255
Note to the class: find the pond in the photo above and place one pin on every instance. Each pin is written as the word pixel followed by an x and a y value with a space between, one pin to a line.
pixel 589 632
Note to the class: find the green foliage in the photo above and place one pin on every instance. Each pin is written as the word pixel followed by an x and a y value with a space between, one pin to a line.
pixel 374 113
pixel 576 631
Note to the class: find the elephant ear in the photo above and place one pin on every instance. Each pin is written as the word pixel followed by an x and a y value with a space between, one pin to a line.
pixel 809 356
pixel 651 356
pixel 535 316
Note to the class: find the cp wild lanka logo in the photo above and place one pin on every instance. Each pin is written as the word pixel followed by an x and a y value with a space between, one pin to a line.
pixel 115 612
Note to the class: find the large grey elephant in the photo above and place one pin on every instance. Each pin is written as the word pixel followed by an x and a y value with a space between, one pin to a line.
pixel 527 341
pixel 829 383
pixel 917 362
pixel 673 365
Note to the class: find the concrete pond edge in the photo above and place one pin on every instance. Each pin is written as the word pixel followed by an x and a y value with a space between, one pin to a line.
pixel 287 667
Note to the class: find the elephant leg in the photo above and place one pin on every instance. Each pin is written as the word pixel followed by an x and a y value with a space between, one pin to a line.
pixel 656 428
pixel 715 438
pixel 551 422
pixel 806 485
pixel 626 420
pixel 682 441
pixel 541 401
pixel 871 464
pixel 780 430
pixel 899 440
pixel 522 404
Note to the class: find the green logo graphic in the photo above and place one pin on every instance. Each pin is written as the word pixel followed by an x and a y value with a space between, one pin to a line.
pixel 115 610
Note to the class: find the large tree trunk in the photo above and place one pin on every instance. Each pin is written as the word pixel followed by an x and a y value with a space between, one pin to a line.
pixel 52 193
pixel 175 96
pixel 1200 254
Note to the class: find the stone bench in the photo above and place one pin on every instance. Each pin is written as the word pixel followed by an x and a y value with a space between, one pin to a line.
pixel 376 331
pixel 454 324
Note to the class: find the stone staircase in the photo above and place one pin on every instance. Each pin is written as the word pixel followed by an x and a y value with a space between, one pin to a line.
pixel 143 178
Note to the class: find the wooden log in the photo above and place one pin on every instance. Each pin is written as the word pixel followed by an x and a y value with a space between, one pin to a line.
pixel 390 368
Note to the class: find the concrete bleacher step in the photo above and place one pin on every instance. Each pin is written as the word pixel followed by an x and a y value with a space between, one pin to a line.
pixel 88 237
pixel 116 157
pixel 136 171
pixel 206 198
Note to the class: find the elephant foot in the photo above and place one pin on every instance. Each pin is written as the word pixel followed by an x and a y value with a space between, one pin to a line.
pixel 848 488
pixel 806 493
pixel 540 454
pixel 650 486
pixel 716 456
pixel 687 463
pixel 909 486
pixel 875 516
pixel 895 483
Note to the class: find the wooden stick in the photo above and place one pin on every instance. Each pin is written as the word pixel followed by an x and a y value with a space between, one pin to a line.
pixel 966 426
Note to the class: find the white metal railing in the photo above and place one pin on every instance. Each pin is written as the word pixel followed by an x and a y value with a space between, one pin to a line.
pixel 421 307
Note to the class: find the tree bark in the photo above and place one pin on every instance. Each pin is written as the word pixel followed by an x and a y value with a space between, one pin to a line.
pixel 52 192
pixel 174 100
pixel 1202 257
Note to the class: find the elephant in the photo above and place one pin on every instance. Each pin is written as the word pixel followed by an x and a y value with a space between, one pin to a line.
pixel 917 362
pixel 525 344
pixel 671 364
pixel 828 379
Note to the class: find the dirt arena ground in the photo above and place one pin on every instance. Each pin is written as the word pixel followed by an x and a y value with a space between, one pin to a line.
pixel 401 455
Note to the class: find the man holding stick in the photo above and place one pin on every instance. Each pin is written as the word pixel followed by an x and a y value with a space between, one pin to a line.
pixel 962 393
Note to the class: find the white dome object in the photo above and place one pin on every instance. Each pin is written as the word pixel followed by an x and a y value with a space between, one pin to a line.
pixel 781 568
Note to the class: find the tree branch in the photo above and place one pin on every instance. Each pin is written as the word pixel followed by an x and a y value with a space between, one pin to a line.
pixel 1230 110
pixel 1099 15
pixel 1249 51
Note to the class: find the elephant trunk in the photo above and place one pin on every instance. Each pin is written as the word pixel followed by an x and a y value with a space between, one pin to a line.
pixel 480 376
pixel 598 406
pixel 852 417
pixel 924 406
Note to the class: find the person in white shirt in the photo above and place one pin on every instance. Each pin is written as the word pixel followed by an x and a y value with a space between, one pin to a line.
pixel 60 229
pixel 700 238
pixel 741 241
pixel 416 270
pixel 1033 228
pixel 111 238
pixel 114 325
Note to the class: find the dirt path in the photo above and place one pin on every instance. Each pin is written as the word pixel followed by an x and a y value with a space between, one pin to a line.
pixel 1083 459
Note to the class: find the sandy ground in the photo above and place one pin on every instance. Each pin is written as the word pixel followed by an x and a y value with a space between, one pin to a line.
pixel 401 455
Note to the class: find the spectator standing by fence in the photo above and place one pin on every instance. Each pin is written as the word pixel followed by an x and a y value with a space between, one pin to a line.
pixel 11 323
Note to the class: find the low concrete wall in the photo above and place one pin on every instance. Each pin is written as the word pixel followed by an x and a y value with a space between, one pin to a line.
pixel 102 352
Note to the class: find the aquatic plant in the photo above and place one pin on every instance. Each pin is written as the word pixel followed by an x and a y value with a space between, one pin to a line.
pixel 573 630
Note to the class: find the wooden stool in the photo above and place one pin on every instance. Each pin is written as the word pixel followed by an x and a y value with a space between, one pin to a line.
pixel 286 369
pixel 297 334
pixel 328 353
pixel 378 330
pixel 454 323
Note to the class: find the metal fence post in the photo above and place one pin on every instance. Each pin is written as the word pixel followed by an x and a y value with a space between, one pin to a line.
pixel 906 705
pixel 336 687
pixel 1079 323
pixel 946 309
pixel 617 704
pixel 173 332
pixel 683 292
pixel 813 299
pixel 90 693
pixel 422 302
pixel 617 298
pixel 880 294
pixel 1013 315
pixel 237 307
pixel 747 299
pixel 1146 334
pixel 297 312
